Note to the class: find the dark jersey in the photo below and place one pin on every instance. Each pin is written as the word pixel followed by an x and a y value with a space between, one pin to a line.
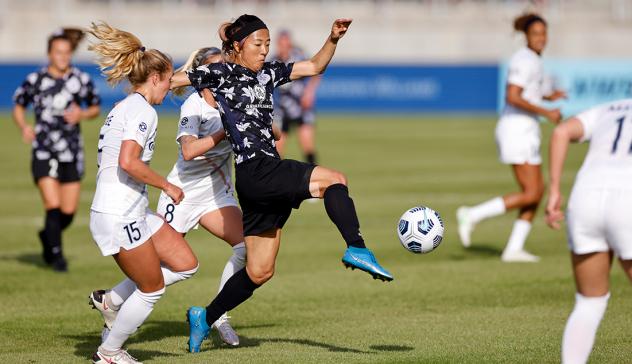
pixel 245 103
pixel 50 97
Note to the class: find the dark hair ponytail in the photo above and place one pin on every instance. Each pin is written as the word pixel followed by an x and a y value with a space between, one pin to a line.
pixel 234 32
pixel 73 35
pixel 524 22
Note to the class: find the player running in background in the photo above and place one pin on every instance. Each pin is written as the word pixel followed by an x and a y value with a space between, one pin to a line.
pixel 62 97
pixel 150 253
pixel 518 139
pixel 599 214
pixel 294 102
pixel 267 186
pixel 203 171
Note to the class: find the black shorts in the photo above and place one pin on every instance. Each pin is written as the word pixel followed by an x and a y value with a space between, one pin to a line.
pixel 268 188
pixel 64 172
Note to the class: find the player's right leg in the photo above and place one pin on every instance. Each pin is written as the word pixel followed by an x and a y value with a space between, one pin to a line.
pixel 591 277
pixel 262 251
pixel 331 186
pixel 142 265
pixel 50 236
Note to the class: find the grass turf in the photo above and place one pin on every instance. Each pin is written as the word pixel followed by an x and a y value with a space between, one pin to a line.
pixel 450 306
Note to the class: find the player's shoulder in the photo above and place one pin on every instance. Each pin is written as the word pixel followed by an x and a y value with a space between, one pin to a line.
pixel 84 77
pixel 32 77
pixel 137 105
pixel 525 56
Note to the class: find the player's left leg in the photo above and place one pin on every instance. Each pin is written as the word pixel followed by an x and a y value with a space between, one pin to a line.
pixel 331 186
pixel 306 139
pixel 70 193
pixel 591 278
pixel 50 236
pixel 531 182
pixel 226 224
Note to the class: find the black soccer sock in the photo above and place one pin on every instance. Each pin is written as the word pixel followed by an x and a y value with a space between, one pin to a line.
pixel 52 230
pixel 342 212
pixel 310 158
pixel 66 220
pixel 237 289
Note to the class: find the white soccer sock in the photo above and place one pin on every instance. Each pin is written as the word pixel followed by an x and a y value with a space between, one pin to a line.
pixel 132 314
pixel 123 290
pixel 581 327
pixel 519 233
pixel 487 209
pixel 235 263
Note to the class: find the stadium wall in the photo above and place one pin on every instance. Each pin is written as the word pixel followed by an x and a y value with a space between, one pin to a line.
pixel 396 88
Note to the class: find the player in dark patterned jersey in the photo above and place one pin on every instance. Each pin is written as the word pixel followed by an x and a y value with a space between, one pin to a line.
pixel 268 187
pixel 294 102
pixel 62 96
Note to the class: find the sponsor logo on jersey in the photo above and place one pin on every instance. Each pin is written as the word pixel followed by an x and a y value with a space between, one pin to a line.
pixel 142 127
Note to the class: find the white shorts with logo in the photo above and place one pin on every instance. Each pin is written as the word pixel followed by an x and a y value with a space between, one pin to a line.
pixel 113 232
pixel 518 140
pixel 600 220
pixel 186 215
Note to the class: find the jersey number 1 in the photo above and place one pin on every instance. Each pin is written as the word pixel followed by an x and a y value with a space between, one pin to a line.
pixel 615 144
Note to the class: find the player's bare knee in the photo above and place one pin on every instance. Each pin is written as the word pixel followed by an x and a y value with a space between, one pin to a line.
pixel 532 197
pixel 262 275
pixel 338 178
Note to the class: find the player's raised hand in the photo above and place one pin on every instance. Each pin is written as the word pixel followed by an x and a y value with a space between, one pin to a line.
pixel 339 28
pixel 554 214
pixel 174 192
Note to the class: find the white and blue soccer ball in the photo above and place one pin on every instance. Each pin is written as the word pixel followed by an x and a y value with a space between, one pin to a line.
pixel 420 230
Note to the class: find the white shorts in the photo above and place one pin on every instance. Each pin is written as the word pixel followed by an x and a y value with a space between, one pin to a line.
pixel 113 232
pixel 599 220
pixel 186 215
pixel 518 140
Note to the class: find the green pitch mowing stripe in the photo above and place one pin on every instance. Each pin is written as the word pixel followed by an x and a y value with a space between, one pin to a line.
pixel 450 306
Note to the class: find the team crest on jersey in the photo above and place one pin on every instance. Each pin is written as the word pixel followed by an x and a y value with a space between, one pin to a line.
pixel 151 146
pixel 260 92
pixel 184 121
pixel 142 127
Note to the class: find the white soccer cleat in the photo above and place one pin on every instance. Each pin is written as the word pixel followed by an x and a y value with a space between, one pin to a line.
pixel 226 332
pixel 465 226
pixel 519 256
pixel 97 301
pixel 119 357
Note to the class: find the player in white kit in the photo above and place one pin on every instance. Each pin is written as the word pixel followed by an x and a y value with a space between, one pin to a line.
pixel 203 171
pixel 518 140
pixel 150 253
pixel 599 214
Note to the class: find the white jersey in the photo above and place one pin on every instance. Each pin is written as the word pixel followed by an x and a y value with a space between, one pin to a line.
pixel 117 192
pixel 526 71
pixel 608 163
pixel 198 119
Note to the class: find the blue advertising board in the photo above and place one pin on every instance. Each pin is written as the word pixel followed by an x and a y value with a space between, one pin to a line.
pixel 587 82
pixel 347 88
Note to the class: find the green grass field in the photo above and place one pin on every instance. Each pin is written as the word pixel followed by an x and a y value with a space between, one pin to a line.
pixel 450 306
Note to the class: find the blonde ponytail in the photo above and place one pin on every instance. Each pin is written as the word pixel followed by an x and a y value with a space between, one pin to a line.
pixel 121 55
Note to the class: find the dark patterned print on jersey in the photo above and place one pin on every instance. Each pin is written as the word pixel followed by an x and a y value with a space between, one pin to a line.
pixel 245 103
pixel 56 139
pixel 288 97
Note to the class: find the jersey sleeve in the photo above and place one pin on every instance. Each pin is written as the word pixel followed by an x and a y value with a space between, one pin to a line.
pixel 519 72
pixel 24 94
pixel 190 118
pixel 589 120
pixel 207 76
pixel 280 72
pixel 89 94
pixel 141 126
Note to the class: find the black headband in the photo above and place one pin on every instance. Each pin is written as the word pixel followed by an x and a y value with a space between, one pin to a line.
pixel 248 29
pixel 530 22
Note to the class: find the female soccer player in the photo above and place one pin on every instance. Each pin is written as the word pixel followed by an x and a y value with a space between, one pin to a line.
pixel 268 187
pixel 203 172
pixel 598 214
pixel 62 97
pixel 518 139
pixel 149 252
pixel 295 101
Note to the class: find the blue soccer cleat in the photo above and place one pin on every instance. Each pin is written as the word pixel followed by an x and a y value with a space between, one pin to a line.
pixel 363 259
pixel 198 328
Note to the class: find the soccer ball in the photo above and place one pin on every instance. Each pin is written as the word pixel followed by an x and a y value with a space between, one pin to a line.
pixel 420 230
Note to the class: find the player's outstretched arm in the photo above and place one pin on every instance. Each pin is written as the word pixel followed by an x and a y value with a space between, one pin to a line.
pixel 130 162
pixel 318 63
pixel 179 79
pixel 572 130
pixel 193 147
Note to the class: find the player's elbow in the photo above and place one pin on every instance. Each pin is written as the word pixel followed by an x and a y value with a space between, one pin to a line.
pixel 187 155
pixel 126 164
pixel 512 99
